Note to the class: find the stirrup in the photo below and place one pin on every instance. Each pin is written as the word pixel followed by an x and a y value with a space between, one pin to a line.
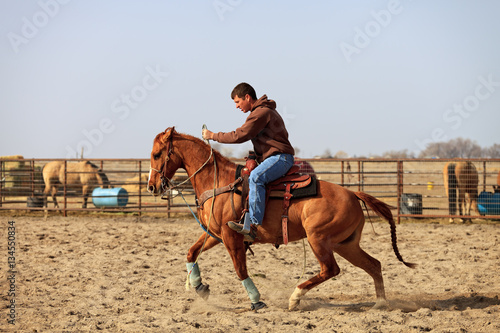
pixel 236 226
pixel 250 237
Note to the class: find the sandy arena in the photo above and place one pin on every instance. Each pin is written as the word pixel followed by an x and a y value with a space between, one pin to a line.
pixel 128 274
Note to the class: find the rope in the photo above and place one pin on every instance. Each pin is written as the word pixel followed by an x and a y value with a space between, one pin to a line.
pixel 215 169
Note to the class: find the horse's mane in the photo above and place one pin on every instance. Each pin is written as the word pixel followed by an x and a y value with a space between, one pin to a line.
pixel 92 165
pixel 201 143
pixel 105 183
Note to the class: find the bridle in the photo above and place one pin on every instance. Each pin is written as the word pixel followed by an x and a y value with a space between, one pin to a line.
pixel 166 183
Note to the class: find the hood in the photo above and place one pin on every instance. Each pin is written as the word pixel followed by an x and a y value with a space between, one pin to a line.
pixel 264 102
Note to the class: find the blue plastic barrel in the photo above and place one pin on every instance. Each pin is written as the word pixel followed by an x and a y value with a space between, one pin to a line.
pixel 489 203
pixel 109 197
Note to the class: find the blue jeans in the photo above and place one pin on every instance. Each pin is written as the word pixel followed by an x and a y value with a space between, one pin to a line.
pixel 269 170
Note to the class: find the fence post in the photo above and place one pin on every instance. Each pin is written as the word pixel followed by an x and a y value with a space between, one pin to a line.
pixel 168 207
pixel 484 176
pixel 2 175
pixel 400 189
pixel 342 173
pixel 32 172
pixel 64 188
pixel 140 187
pixel 359 175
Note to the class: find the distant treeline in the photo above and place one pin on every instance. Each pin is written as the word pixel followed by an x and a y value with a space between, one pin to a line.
pixel 455 148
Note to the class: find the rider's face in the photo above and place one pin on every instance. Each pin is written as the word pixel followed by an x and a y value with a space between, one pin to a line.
pixel 244 104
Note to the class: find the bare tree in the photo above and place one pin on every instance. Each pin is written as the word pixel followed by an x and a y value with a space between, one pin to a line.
pixel 398 154
pixel 341 154
pixel 466 148
pixel 327 154
pixel 492 152
pixel 455 148
pixel 224 150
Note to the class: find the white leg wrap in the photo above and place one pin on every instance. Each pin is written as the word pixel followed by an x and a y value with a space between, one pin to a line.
pixel 194 277
pixel 252 291
pixel 295 298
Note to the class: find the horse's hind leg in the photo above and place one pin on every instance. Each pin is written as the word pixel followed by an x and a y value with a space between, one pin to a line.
pixel 323 251
pixel 46 192
pixel 85 195
pixel 353 253
pixel 462 206
pixel 194 272
pixel 53 194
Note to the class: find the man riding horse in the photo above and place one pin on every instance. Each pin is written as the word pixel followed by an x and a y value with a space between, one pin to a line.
pixel 266 129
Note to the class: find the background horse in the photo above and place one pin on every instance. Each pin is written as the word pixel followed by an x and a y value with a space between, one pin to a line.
pixel 496 188
pixel 461 177
pixel 82 176
pixel 332 221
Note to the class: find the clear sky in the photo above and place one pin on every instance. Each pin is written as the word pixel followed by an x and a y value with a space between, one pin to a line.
pixel 364 77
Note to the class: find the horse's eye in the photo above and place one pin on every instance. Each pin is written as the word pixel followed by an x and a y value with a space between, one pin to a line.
pixel 157 156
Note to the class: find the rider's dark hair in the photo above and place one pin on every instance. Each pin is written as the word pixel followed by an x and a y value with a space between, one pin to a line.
pixel 242 89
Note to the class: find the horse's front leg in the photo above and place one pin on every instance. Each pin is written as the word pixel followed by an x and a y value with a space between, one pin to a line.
pixel 193 269
pixel 237 250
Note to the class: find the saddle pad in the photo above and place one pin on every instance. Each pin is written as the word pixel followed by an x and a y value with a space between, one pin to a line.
pixel 302 192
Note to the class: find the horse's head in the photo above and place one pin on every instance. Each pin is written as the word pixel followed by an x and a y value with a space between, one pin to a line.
pixel 164 163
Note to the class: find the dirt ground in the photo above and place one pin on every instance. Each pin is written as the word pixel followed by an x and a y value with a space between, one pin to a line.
pixel 128 274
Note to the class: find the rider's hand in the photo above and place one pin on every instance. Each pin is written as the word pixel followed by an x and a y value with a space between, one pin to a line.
pixel 206 134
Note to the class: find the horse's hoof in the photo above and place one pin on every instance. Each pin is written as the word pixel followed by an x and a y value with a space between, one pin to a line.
pixel 203 290
pixel 293 304
pixel 258 306
pixel 381 304
pixel 295 298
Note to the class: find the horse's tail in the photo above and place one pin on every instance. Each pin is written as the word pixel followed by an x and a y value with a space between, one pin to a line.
pixel 452 189
pixel 43 180
pixel 384 210
pixel 102 179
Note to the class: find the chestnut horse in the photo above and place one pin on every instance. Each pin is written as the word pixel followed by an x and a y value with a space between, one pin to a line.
pixel 82 176
pixel 332 221
pixel 462 177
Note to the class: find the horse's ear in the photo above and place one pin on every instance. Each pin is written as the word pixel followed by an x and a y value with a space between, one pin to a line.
pixel 166 135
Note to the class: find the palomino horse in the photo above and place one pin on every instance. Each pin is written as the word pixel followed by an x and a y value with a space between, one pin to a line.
pixel 461 176
pixel 332 221
pixel 82 176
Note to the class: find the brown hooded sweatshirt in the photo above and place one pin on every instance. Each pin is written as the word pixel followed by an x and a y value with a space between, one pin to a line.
pixel 265 127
